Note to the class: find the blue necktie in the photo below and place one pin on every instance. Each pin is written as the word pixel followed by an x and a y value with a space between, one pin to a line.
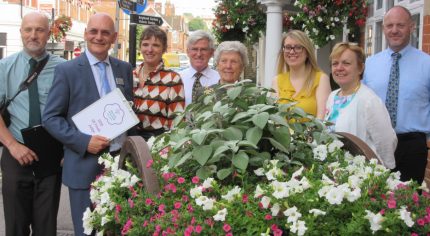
pixel 103 77
pixel 393 89
pixel 33 97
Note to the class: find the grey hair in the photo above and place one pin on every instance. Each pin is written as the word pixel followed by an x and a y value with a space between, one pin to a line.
pixel 232 46
pixel 198 35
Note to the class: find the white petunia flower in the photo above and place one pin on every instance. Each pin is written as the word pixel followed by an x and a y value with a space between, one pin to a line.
pixel 317 212
pixel 231 194
pixel 258 191
pixel 201 200
pixel 336 144
pixel 320 152
pixel 375 220
pixel 275 209
pixel 196 192
pixel 297 173
pixel 220 215
pixel 265 201
pixel 405 215
pixel 335 196
pixel 208 183
pixel 87 220
pixel 259 172
pixel 319 19
pixel 352 196
pixel 280 189
pixel 292 214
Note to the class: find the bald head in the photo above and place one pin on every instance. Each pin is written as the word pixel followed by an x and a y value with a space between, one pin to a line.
pixel 398 27
pixel 100 34
pixel 35 32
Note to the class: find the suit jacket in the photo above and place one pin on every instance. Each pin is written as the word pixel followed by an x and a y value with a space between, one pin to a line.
pixel 73 89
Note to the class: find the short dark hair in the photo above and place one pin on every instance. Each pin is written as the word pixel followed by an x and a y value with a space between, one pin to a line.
pixel 156 32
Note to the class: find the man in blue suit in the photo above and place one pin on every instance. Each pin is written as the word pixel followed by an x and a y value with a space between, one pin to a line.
pixel 77 84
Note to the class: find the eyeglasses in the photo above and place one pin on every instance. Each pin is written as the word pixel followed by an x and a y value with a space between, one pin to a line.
pixel 201 50
pixel 295 48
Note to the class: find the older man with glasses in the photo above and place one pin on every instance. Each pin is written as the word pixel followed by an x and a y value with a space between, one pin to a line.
pixel 200 48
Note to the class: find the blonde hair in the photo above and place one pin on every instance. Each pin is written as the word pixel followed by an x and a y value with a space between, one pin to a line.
pixel 311 66
pixel 339 48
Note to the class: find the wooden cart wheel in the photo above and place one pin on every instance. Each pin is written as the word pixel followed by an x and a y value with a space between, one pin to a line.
pixel 356 146
pixel 136 148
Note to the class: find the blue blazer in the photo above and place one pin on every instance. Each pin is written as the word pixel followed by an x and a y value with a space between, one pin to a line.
pixel 73 89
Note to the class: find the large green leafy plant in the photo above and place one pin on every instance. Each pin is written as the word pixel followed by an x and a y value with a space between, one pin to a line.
pixel 235 131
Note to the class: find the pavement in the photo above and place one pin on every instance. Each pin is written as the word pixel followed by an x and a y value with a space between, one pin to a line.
pixel 64 219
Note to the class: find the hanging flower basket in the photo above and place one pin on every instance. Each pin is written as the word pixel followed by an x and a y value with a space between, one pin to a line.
pixel 59 28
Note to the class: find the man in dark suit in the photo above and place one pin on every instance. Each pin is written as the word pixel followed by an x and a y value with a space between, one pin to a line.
pixel 77 84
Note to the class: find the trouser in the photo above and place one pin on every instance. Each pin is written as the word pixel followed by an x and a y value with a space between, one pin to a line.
pixel 411 156
pixel 29 203
pixel 79 202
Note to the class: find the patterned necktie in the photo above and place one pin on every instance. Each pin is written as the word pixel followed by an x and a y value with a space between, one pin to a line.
pixel 393 89
pixel 33 98
pixel 103 77
pixel 197 87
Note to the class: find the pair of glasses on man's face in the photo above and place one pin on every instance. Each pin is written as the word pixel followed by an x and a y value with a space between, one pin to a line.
pixel 295 48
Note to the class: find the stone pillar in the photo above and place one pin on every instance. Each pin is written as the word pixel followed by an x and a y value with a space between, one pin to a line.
pixel 273 38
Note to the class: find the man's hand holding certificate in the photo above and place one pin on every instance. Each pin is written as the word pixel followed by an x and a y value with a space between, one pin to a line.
pixel 109 116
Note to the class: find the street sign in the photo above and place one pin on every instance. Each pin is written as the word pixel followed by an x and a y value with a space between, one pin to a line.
pixel 139 6
pixel 127 5
pixel 146 19
pixel 77 52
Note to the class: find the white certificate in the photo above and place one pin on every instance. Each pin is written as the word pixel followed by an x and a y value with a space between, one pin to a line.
pixel 109 116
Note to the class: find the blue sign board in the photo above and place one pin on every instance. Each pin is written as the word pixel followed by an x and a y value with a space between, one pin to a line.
pixel 140 6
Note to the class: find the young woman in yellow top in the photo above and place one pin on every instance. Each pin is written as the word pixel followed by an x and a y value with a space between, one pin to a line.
pixel 299 78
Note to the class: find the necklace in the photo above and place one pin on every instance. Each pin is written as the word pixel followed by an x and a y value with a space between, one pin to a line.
pixel 342 93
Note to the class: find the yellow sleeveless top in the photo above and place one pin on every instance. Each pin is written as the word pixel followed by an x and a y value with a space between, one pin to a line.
pixel 287 91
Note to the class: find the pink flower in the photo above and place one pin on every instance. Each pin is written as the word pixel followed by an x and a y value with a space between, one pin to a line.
pixel 148 201
pixel 189 230
pixel 414 234
pixel 145 223
pixel 392 204
pixel 428 210
pixel 226 228
pixel 421 222
pixel 244 198
pixel 229 234
pixel 193 220
pixel 117 211
pixel 195 180
pixel 267 217
pixel 131 203
pixel 133 192
pixel 273 227
pixel 161 207
pixel 126 227
pixel 382 212
pixel 415 197
pixel 149 163
pixel 190 208
pixel 277 232
pixel 177 205
pixel 198 229
pixel 181 180
pixel 185 198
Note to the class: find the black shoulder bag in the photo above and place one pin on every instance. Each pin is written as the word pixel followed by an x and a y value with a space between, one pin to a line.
pixel 5 102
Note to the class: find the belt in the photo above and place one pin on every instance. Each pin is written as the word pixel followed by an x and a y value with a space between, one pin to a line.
pixel 411 135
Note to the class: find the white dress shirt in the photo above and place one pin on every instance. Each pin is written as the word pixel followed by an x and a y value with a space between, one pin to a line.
pixel 209 77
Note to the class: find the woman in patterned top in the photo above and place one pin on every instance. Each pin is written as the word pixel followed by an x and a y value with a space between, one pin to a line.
pixel 158 93
pixel 355 108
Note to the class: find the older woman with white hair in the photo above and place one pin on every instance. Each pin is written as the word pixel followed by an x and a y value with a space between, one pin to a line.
pixel 231 57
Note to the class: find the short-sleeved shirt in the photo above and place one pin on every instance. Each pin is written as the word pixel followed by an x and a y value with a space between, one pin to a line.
pixel 13 71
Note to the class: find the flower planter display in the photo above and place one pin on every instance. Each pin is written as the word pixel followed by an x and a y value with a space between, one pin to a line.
pixel 237 163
